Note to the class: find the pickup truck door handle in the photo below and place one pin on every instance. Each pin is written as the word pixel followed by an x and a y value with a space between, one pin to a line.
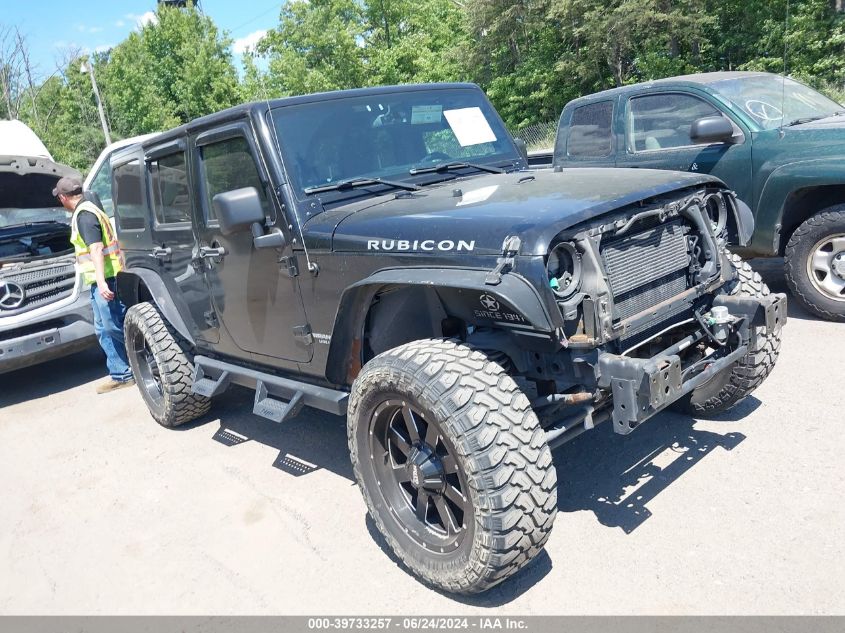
pixel 211 251
pixel 161 252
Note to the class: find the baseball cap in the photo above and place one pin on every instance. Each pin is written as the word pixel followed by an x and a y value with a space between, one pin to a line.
pixel 68 186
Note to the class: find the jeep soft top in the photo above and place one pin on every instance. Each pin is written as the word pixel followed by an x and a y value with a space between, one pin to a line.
pixel 383 253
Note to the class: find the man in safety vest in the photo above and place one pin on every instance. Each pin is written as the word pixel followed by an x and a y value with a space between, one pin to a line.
pixel 98 260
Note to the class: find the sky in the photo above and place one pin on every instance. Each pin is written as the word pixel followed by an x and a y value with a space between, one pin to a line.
pixel 54 26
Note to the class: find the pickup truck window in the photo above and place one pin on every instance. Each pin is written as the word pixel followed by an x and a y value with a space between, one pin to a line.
pixel 228 165
pixel 169 180
pixel 385 136
pixel 128 196
pixel 591 131
pixel 663 121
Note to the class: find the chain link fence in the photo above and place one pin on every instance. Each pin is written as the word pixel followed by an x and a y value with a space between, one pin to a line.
pixel 538 136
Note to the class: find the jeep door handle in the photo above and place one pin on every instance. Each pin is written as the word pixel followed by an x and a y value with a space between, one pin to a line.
pixel 211 251
pixel 160 252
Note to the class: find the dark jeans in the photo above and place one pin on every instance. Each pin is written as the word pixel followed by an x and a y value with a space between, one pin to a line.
pixel 108 324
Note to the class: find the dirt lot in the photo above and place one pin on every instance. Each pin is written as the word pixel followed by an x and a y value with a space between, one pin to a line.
pixel 103 511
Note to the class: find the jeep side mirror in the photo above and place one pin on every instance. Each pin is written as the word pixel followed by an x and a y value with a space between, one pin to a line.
pixel 711 129
pixel 238 210
pixel 523 149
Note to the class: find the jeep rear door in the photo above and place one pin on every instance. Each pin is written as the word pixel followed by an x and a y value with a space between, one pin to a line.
pixel 253 292
pixel 657 125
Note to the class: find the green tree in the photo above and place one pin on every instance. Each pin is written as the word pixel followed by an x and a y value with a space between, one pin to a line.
pixel 317 46
pixel 174 69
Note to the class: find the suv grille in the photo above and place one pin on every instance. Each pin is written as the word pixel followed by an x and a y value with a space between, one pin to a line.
pixel 646 268
pixel 41 286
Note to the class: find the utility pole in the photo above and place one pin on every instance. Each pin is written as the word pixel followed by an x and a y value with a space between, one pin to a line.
pixel 88 68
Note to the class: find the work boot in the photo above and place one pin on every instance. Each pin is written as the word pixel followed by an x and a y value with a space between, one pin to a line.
pixel 113 385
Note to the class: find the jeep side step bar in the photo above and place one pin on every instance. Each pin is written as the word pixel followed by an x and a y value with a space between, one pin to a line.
pixel 276 398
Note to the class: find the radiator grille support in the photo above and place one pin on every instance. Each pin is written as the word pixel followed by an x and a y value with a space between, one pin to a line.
pixel 646 268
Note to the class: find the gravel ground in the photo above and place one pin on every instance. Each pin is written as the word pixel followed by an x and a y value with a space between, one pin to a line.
pixel 105 512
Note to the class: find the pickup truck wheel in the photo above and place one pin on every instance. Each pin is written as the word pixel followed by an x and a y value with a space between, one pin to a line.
pixel 815 263
pixel 452 463
pixel 731 385
pixel 162 369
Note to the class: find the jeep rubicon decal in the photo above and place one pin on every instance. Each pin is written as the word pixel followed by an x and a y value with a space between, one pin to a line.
pixel 558 302
pixel 420 245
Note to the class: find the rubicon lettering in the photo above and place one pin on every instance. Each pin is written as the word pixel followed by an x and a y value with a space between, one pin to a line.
pixel 420 245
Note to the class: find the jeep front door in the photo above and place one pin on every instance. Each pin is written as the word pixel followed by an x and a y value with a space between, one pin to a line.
pixel 657 136
pixel 254 293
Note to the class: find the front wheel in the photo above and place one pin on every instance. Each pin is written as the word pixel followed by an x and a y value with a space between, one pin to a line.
pixel 815 263
pixel 452 463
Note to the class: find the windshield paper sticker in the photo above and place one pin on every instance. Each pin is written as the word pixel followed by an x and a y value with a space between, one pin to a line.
pixel 470 126
pixel 421 114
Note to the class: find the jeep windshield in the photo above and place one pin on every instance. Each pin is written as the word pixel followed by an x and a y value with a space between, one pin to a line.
pixel 774 101
pixel 390 140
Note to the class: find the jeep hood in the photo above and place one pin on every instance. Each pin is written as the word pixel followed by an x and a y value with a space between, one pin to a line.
pixel 26 182
pixel 476 214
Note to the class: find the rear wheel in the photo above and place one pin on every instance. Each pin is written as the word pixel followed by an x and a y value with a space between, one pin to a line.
pixel 162 369
pixel 815 263
pixel 452 463
pixel 727 388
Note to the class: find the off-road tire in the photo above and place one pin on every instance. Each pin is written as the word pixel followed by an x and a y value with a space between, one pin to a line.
pixel 177 404
pixel 799 248
pixel 500 448
pixel 727 388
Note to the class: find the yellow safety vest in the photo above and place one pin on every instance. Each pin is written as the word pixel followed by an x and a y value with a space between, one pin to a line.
pixel 112 257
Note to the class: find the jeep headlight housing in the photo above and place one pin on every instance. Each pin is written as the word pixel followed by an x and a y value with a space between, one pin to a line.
pixel 563 269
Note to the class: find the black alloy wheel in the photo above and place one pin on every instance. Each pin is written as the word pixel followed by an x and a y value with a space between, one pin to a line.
pixel 418 476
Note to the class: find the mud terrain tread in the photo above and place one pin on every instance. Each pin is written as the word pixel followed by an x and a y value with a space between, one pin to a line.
pixel 751 370
pixel 794 272
pixel 512 480
pixel 181 405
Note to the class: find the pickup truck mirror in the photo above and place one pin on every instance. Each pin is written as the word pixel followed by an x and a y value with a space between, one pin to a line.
pixel 711 129
pixel 523 149
pixel 238 210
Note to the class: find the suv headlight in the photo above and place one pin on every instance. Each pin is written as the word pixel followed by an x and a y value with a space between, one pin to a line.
pixel 563 269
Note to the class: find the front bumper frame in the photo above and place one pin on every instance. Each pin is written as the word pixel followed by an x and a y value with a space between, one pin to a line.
pixel 641 387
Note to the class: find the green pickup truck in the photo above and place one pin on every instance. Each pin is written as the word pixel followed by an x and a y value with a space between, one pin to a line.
pixel 777 143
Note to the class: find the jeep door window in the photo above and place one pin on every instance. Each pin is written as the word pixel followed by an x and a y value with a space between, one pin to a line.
pixel 228 165
pixel 591 131
pixel 773 101
pixel 171 199
pixel 385 135
pixel 663 121
pixel 127 185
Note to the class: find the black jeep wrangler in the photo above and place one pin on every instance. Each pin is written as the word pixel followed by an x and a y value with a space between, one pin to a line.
pixel 384 253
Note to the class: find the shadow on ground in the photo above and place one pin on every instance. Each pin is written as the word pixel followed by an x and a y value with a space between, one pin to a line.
pixel 310 441
pixel 615 476
pixel 52 377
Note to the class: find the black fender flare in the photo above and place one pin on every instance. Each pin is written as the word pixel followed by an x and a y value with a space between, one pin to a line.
pixel 130 279
pixel 514 292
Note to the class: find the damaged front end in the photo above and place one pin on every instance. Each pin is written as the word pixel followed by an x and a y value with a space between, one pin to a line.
pixel 651 310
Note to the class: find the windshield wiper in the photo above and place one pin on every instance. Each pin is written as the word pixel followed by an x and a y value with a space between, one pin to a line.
pixel 351 183
pixel 441 167
pixel 806 119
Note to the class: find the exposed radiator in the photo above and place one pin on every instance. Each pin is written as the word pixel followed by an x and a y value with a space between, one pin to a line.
pixel 646 268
